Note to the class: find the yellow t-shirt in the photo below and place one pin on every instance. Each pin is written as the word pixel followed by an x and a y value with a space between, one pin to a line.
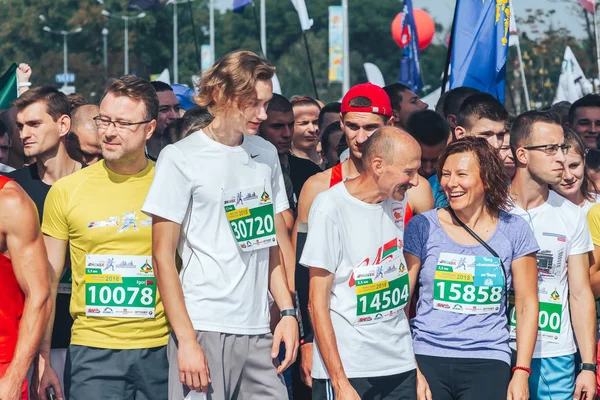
pixel 593 217
pixel 115 302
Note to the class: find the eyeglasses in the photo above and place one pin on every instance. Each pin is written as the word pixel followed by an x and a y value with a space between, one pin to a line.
pixel 104 123
pixel 551 149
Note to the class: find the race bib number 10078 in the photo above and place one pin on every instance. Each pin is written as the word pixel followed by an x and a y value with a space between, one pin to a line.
pixel 119 286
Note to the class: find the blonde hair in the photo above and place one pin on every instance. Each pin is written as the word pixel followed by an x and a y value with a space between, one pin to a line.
pixel 232 78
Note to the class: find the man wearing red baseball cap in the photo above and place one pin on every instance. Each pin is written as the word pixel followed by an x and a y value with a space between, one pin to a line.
pixel 365 108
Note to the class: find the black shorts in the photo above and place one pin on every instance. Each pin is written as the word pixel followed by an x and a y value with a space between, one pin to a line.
pixel 465 378
pixel 394 387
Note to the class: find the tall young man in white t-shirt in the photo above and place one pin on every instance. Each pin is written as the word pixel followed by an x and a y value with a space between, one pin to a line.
pixel 217 199
pixel 359 282
pixel 560 227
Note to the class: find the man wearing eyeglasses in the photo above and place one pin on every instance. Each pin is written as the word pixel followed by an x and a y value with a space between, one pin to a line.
pixel 565 295
pixel 168 111
pixel 482 115
pixel 120 331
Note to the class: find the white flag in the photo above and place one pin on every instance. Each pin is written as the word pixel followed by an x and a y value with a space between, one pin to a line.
pixel 374 74
pixel 276 85
pixel 513 39
pixel 572 83
pixel 305 21
pixel 164 77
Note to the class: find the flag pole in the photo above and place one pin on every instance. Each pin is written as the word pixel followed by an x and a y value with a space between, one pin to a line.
pixel 449 52
pixel 189 3
pixel 346 49
pixel 523 78
pixel 596 37
pixel 212 30
pixel 310 66
pixel 263 27
pixel 259 30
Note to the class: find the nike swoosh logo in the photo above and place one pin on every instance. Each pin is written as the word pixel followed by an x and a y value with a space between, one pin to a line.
pixel 254 155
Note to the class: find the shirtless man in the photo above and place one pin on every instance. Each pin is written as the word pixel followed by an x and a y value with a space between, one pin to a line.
pixel 25 303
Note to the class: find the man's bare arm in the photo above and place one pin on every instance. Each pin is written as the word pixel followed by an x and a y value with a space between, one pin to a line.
pixel 30 264
pixel 582 305
pixel 286 248
pixel 321 282
pixel 312 187
pixel 420 197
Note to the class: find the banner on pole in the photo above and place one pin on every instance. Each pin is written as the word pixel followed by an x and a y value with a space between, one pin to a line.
pixel 206 61
pixel 572 83
pixel 336 44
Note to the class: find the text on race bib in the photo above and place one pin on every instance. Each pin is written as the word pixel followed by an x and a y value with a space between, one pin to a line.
pixel 251 216
pixel 120 286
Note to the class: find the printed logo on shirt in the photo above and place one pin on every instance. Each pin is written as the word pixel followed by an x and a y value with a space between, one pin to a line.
pixel 560 238
pixel 398 213
pixel 112 221
pixel 383 253
pixel 129 219
pixel 555 296
pixel 265 198
pixel 146 222
pixel 254 155
pixel 146 268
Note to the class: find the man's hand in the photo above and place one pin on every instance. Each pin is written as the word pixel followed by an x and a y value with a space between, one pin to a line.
pixel 10 388
pixel 346 392
pixel 423 391
pixel 23 72
pixel 306 355
pixel 518 388
pixel 193 366
pixel 44 376
pixel 586 382
pixel 286 332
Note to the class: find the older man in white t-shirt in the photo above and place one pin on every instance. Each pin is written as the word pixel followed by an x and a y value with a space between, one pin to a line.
pixel 359 280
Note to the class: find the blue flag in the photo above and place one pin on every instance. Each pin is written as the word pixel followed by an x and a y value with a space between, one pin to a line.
pixel 480 45
pixel 239 5
pixel 410 68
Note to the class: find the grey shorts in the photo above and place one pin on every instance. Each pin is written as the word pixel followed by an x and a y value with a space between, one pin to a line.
pixel 104 374
pixel 241 368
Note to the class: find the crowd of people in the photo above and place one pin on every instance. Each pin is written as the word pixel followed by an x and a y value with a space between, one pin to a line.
pixel 252 246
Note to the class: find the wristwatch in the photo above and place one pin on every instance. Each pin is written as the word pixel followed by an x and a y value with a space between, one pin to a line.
pixel 288 312
pixel 588 367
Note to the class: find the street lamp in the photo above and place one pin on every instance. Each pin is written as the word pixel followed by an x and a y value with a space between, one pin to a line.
pixel 64 33
pixel 125 18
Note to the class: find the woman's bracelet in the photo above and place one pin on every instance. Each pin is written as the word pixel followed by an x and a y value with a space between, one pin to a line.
pixel 528 370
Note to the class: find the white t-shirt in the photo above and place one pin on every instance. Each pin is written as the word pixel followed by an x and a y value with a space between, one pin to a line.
pixel 561 230
pixel 345 233
pixel 225 287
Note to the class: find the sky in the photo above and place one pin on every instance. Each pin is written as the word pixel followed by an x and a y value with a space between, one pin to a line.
pixel 443 10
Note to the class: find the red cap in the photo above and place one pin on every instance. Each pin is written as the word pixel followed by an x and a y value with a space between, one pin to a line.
pixel 380 102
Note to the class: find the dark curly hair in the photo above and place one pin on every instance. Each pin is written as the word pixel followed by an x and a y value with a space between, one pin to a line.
pixel 491 171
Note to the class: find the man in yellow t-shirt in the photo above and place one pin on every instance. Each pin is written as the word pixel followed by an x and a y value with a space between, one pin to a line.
pixel 120 330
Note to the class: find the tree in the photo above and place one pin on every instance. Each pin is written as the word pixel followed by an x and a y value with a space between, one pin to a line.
pixel 150 42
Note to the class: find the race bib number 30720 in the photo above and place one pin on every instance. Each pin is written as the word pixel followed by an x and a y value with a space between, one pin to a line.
pixel 251 216
pixel 119 286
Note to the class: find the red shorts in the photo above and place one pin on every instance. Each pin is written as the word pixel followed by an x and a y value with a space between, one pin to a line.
pixel 3 368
